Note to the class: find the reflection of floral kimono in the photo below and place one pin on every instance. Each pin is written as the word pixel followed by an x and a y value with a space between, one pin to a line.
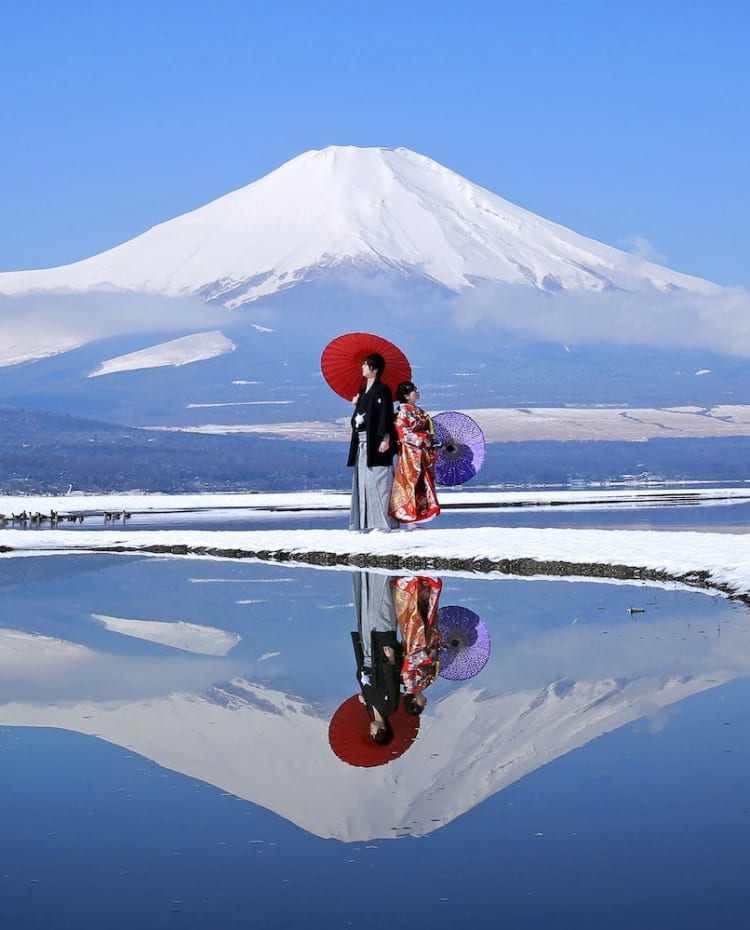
pixel 413 497
pixel 416 602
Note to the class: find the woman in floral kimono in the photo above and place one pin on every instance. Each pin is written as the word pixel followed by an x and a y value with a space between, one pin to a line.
pixel 413 498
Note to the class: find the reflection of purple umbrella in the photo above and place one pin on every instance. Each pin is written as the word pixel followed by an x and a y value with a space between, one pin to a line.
pixel 460 452
pixel 464 643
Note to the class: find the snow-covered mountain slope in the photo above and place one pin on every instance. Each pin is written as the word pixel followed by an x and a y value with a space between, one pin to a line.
pixel 373 209
pixel 183 351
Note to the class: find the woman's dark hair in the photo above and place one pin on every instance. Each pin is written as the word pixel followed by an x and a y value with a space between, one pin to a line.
pixel 384 735
pixel 376 362
pixel 411 707
pixel 404 388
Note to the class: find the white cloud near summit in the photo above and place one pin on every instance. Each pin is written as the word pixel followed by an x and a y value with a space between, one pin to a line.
pixel 36 326
pixel 718 322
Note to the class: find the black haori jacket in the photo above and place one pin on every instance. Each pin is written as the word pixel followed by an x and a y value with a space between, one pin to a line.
pixel 381 685
pixel 377 406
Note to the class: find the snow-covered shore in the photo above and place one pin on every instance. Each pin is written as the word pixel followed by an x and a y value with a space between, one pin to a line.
pixel 705 559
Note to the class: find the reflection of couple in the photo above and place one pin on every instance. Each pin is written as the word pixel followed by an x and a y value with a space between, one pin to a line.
pixel 384 605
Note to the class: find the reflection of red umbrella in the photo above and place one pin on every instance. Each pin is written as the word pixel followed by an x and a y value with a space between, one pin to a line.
pixel 349 735
pixel 341 362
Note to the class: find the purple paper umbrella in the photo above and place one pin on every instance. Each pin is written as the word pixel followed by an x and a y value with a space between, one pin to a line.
pixel 464 643
pixel 460 452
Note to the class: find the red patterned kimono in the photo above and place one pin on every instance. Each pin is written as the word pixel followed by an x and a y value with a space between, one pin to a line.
pixel 413 497
pixel 416 602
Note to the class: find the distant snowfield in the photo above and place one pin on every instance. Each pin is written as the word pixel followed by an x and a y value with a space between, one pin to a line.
pixel 529 424
pixel 611 423
pixel 175 352
pixel 714 560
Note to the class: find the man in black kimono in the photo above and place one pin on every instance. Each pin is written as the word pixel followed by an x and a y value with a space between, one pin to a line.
pixel 377 651
pixel 371 450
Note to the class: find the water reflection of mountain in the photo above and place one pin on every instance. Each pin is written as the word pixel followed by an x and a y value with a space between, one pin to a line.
pixel 271 748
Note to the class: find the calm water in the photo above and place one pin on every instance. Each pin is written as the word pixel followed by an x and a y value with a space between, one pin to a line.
pixel 592 774
pixel 729 516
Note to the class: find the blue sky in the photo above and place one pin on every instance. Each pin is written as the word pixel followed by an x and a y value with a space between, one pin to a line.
pixel 626 120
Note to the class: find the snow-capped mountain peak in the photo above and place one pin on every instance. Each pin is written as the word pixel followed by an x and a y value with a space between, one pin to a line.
pixel 343 206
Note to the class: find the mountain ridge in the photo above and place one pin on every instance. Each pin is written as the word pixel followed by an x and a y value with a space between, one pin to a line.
pixel 224 311
pixel 372 208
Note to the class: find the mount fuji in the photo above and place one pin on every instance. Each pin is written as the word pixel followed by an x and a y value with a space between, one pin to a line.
pixel 373 209
pixel 220 315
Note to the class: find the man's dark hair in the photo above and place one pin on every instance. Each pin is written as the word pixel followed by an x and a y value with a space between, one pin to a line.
pixel 376 362
pixel 384 734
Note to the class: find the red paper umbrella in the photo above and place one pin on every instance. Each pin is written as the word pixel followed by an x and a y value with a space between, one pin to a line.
pixel 349 735
pixel 341 362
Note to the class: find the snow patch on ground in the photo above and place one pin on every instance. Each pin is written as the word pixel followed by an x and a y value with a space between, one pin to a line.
pixel 183 351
